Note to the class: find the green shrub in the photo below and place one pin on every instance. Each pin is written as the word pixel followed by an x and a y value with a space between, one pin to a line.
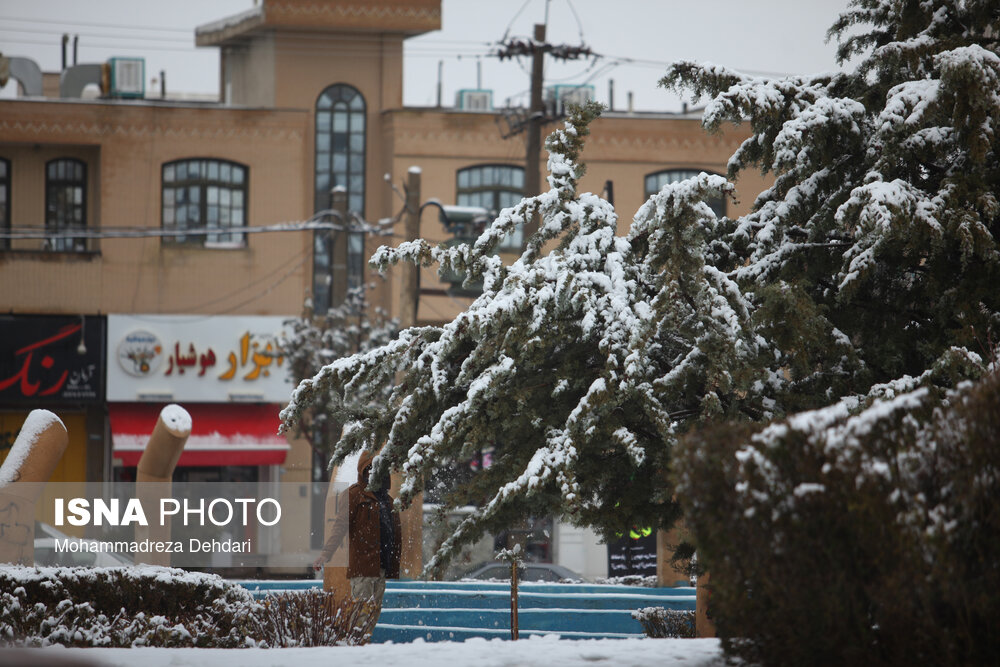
pixel 854 536
pixel 154 606
pixel 120 607
pixel 658 622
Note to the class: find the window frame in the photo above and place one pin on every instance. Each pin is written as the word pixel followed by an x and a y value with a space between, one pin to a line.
pixel 55 184
pixel 203 183
pixel 336 94
pixel 339 161
pixel 464 193
pixel 719 204
pixel 5 186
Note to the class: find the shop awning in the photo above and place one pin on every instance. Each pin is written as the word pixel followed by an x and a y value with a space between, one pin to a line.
pixel 221 434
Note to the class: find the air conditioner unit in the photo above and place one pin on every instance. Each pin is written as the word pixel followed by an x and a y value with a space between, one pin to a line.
pixel 474 100
pixel 128 77
pixel 563 95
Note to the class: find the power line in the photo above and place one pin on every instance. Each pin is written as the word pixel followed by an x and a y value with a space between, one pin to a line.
pixel 59 33
pixel 506 33
pixel 120 47
pixel 189 43
pixel 579 24
pixel 243 288
pixel 23 233
pixel 266 291
pixel 95 24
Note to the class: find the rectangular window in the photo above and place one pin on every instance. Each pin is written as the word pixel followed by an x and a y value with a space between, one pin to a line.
pixel 65 204
pixel 204 196
pixel 493 187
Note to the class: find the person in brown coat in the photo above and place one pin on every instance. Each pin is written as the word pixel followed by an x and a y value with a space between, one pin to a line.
pixel 373 531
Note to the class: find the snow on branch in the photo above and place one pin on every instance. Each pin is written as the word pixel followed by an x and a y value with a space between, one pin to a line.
pixel 558 365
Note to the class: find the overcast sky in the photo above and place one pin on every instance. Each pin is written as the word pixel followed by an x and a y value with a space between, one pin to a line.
pixel 635 39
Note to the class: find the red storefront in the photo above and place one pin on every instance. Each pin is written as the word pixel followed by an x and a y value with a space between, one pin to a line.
pixel 225 371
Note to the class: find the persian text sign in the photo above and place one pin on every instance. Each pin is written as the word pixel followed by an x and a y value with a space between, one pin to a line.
pixel 633 555
pixel 51 359
pixel 209 359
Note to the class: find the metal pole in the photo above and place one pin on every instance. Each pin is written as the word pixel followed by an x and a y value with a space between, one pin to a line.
pixel 440 81
pixel 513 599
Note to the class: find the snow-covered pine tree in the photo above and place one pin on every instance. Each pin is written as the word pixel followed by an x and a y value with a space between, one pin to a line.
pixel 316 340
pixel 579 364
pixel 875 252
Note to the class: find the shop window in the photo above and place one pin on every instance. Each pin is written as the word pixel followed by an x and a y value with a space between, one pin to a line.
pixel 493 187
pixel 4 201
pixel 65 203
pixel 655 181
pixel 208 196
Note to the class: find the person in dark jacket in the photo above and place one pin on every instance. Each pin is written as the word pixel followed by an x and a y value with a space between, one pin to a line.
pixel 373 529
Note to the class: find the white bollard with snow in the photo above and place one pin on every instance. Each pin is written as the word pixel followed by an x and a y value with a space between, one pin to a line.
pixel 29 465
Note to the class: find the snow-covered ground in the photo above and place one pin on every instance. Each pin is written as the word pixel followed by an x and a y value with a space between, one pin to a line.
pixel 547 651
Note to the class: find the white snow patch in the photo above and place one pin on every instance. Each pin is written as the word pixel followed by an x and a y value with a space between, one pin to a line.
pixel 36 423
pixel 177 418
pixel 547 651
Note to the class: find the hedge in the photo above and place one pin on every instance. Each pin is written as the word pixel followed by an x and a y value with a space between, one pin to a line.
pixel 156 606
pixel 854 535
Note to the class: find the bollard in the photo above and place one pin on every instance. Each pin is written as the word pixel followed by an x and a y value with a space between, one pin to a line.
pixel 165 445
pixel 32 459
pixel 154 472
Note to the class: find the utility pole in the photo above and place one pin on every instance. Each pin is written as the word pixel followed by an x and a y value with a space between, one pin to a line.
pixel 412 519
pixel 537 116
pixel 410 288
pixel 338 248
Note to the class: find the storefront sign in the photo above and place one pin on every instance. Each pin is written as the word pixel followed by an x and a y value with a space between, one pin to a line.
pixel 51 359
pixel 633 555
pixel 192 358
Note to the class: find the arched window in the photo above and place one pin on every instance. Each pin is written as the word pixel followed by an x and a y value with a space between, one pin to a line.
pixel 340 146
pixel 205 194
pixel 340 161
pixel 657 180
pixel 4 201
pixel 493 187
pixel 66 202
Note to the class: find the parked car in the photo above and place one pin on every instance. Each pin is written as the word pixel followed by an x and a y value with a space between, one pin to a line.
pixel 46 555
pixel 541 572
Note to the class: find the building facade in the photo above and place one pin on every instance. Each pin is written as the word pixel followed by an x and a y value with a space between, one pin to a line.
pixel 127 216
